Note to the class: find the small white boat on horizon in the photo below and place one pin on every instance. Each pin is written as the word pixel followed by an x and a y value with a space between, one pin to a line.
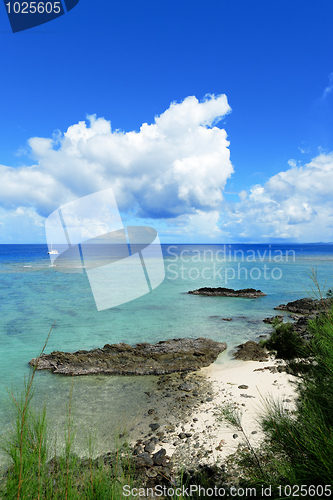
pixel 53 252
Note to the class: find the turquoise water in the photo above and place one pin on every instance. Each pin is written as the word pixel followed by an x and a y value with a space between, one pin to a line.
pixel 34 295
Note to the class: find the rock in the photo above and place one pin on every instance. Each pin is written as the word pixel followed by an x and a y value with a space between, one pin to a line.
pixel 151 411
pixel 272 319
pixel 235 436
pixel 187 386
pixel 165 471
pixel 182 435
pixel 251 351
pixel 151 473
pixel 247 396
pixel 143 460
pixel 138 449
pixel 306 306
pixel 220 318
pixel 154 427
pixel 167 356
pixel 150 447
pixel 159 456
pixel 188 434
pixel 301 325
pixel 170 428
pixel 249 293
pixel 243 386
pixel 295 316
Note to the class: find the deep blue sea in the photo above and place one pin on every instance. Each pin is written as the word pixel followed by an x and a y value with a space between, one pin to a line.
pixel 33 295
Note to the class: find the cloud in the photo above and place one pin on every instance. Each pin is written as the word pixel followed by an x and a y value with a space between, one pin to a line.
pixel 296 204
pixel 243 195
pixel 329 88
pixel 21 225
pixel 173 171
pixel 177 165
pixel 30 187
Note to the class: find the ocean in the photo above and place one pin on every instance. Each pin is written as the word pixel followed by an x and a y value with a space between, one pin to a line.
pixel 34 296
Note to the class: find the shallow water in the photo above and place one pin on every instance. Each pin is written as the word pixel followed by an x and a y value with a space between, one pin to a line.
pixel 34 295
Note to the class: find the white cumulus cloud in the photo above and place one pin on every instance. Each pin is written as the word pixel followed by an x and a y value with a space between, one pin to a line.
pixel 175 166
pixel 296 204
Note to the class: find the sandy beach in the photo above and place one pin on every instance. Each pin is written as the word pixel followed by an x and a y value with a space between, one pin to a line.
pixel 245 385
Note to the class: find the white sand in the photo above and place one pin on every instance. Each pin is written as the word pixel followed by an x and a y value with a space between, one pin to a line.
pixel 209 432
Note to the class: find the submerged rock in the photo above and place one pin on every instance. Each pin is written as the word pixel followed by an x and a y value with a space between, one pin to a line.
pixel 279 319
pixel 167 356
pixel 248 293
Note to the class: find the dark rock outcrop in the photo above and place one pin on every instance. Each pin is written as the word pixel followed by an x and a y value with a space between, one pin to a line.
pixel 176 355
pixel 303 310
pixel 251 351
pixel 301 326
pixel 306 306
pixel 248 293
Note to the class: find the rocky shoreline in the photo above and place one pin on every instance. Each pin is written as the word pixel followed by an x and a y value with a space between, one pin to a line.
pixel 177 355
pixel 169 356
pixel 302 310
pixel 306 306
pixel 171 429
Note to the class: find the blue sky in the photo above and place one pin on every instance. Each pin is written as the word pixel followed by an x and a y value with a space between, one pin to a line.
pixel 126 62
